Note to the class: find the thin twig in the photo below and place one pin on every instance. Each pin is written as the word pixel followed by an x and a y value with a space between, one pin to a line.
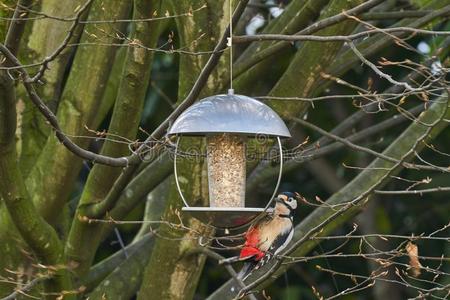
pixel 41 15
pixel 414 192
pixel 386 15
pixel 331 38
pixel 17 26
pixel 25 288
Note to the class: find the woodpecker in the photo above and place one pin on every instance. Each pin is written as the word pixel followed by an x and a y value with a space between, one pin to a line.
pixel 268 236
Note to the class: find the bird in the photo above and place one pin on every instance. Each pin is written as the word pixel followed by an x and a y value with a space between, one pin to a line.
pixel 268 236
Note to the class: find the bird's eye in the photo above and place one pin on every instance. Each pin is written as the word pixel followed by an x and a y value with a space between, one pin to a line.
pixel 290 199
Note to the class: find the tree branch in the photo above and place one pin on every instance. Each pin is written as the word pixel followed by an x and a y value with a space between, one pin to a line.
pixel 126 277
pixel 265 171
pixel 301 76
pixel 27 287
pixel 127 173
pixel 38 235
pixel 333 38
pixel 242 66
pixel 414 192
pixel 17 26
pixel 102 270
pixel 373 44
pixel 385 15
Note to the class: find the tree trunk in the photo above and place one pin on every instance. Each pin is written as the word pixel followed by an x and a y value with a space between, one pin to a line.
pixel 45 37
pixel 52 177
pixel 84 237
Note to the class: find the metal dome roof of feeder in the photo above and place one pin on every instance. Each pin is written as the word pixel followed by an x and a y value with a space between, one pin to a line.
pixel 229 114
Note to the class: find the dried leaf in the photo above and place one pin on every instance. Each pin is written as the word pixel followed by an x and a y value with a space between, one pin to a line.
pixel 369 83
pixel 414 264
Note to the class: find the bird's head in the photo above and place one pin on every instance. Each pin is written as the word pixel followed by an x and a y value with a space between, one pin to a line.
pixel 286 203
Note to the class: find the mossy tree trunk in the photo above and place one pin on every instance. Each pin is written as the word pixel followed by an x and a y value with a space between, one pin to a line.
pixel 78 108
pixel 84 238
pixel 44 38
pixel 38 235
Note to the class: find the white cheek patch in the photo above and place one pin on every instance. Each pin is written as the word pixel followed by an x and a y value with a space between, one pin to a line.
pixel 293 205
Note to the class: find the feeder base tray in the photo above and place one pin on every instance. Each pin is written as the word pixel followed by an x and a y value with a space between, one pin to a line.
pixel 225 217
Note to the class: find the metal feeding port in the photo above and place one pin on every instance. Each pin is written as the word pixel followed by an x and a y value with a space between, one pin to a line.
pixel 227 122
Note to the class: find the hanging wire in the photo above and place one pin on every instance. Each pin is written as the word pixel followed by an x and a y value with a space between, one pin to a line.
pixel 230 44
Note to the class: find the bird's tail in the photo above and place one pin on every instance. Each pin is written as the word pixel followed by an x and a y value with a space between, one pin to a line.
pixel 230 260
pixel 248 267
pixel 246 270
pixel 234 259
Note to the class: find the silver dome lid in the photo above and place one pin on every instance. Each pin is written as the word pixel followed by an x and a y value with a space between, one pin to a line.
pixel 229 114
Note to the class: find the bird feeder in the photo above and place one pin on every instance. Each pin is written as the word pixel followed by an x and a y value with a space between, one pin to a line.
pixel 227 121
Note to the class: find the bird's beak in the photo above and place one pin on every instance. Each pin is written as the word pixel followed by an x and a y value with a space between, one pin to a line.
pixel 279 200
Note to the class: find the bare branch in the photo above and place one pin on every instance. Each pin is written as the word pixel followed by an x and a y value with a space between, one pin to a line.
pixel 17 26
pixel 414 192
pixel 241 67
pixel 30 285
pixel 333 38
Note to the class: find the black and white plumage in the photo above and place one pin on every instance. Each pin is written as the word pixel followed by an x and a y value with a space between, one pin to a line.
pixel 269 236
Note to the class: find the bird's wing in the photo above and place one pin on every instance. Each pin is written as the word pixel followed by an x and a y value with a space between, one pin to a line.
pixel 253 241
pixel 280 242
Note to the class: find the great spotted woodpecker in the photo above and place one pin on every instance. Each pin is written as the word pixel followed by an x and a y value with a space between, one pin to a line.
pixel 268 236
